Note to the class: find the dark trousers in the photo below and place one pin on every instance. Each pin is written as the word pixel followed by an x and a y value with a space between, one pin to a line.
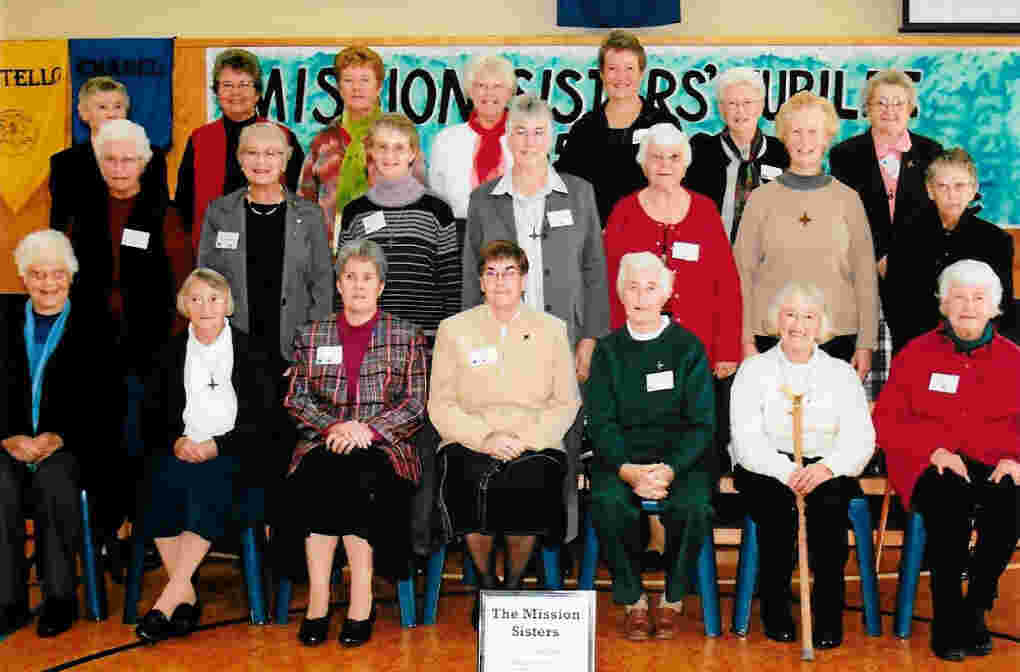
pixel 772 506
pixel 50 497
pixel 840 347
pixel 948 502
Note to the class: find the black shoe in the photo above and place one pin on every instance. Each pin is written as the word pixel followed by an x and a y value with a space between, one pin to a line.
pixel 652 561
pixel 981 640
pixel 115 557
pixel 56 616
pixel 951 652
pixel 314 631
pixel 154 627
pixel 828 638
pixel 184 619
pixel 355 633
pixel 14 617
pixel 777 622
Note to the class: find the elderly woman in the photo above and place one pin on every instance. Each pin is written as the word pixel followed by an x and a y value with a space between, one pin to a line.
pixel 414 228
pixel 729 165
pixel 470 154
pixel 46 355
pixel 337 169
pixel 809 227
pixel 210 167
pixel 601 145
pixel 947 420
pixel 503 394
pixel 939 237
pixel 838 441
pixel 205 405
pixel 651 419
pixel 270 245
pixel 357 394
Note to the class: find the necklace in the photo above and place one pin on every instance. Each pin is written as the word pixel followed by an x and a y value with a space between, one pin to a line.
pixel 264 213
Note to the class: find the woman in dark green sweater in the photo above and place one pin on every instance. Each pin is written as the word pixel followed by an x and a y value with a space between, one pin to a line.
pixel 651 416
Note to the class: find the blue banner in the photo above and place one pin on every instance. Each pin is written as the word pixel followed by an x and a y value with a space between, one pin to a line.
pixel 143 65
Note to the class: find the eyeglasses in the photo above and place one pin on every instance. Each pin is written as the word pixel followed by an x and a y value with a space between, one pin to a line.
pixel 954 188
pixel 269 154
pixel 676 157
pixel 746 104
pixel 240 86
pixel 43 276
pixel 886 104
pixel 510 273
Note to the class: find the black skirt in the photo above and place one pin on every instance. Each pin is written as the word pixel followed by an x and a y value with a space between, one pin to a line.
pixel 184 496
pixel 524 496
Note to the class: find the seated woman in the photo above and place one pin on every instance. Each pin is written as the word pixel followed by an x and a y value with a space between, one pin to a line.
pixel 202 421
pixel 46 357
pixel 503 394
pixel 651 419
pixel 947 420
pixel 357 394
pixel 838 440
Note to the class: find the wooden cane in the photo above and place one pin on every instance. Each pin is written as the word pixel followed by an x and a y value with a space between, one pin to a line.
pixel 883 522
pixel 807 640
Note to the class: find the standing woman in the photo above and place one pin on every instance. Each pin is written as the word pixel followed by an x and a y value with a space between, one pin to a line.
pixel 210 167
pixel 470 154
pixel 809 228
pixel 602 144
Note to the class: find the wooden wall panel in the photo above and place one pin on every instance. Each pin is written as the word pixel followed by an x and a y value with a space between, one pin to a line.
pixel 189 102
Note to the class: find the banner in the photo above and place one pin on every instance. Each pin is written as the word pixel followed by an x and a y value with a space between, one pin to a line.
pixel 144 66
pixel 968 96
pixel 617 13
pixel 33 115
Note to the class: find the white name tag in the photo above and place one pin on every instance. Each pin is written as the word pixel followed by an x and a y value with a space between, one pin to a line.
pixel 374 222
pixel 558 218
pixel 227 240
pixel 686 251
pixel 639 135
pixel 663 380
pixel 944 382
pixel 135 238
pixel 482 356
pixel 329 354
pixel 770 172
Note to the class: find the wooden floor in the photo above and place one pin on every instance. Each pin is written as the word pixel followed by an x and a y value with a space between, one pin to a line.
pixel 227 644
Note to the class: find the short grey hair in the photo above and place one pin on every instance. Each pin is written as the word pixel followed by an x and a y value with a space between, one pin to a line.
pixel 636 261
pixel 122 129
pixel 970 273
pixel 490 64
pixel 734 76
pixel 209 277
pixel 664 134
pixel 812 295
pixel 45 246
pixel 366 250
pixel 526 107
pixel 892 78
pixel 264 130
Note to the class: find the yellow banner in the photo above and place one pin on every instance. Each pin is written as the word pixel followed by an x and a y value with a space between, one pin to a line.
pixel 33 115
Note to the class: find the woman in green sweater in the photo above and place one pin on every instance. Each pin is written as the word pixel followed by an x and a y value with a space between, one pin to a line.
pixel 651 417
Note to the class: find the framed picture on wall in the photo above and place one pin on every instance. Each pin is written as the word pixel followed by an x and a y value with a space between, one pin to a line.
pixel 961 16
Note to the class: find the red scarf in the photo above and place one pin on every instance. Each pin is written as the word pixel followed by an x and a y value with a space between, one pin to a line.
pixel 489 157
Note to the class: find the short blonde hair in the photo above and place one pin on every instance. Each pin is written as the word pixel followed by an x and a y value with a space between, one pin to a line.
pixel 263 130
pixel 399 123
pixel 951 157
pixel 664 134
pixel 359 56
pixel 636 261
pixel 803 100
pixel 812 295
pixel 210 278
pixel 490 64
pixel 891 78
pixel 102 84
pixel 45 246
pixel 622 40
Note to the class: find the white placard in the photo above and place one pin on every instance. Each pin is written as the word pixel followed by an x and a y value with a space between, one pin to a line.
pixel 537 631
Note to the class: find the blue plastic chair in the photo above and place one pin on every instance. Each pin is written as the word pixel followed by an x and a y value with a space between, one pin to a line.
pixel 914 539
pixel 707 573
pixel 747 570
pixel 405 597
pixel 95 587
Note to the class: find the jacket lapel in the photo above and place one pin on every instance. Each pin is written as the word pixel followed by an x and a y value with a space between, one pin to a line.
pixel 877 183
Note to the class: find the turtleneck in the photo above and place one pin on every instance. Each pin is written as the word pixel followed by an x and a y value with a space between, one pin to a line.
pixel 396 193
pixel 804 182
pixel 965 346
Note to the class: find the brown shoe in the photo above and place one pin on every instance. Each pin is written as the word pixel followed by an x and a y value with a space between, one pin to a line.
pixel 636 626
pixel 665 627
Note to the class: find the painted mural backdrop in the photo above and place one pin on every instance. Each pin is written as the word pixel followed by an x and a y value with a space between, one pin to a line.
pixel 969 97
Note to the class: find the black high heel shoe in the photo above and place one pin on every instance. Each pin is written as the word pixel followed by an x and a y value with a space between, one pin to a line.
pixel 314 631
pixel 354 632
pixel 184 619
pixel 154 627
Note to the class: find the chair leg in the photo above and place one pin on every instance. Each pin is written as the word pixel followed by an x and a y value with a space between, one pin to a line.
pixel 95 584
pixel 551 565
pixel 283 590
pixel 405 596
pixel 133 580
pixel 590 558
pixel 914 537
pixel 433 579
pixel 860 518
pixel 883 522
pixel 708 587
pixel 747 576
pixel 253 578
pixel 469 568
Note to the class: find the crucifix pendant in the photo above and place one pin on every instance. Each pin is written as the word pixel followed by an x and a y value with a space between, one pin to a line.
pixel 804 219
pixel 212 383
pixel 534 235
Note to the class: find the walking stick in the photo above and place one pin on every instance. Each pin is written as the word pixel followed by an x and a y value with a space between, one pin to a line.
pixel 807 640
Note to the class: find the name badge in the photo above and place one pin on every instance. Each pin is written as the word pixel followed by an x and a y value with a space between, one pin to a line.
pixel 135 238
pixel 558 218
pixel 639 135
pixel 483 356
pixel 329 354
pixel 891 165
pixel 227 240
pixel 944 382
pixel 661 380
pixel 374 222
pixel 770 172
pixel 686 251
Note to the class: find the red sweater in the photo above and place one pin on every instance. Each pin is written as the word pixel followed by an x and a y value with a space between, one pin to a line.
pixel 706 293
pixel 981 420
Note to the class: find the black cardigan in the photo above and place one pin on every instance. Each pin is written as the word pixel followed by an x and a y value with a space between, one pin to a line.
pixel 916 260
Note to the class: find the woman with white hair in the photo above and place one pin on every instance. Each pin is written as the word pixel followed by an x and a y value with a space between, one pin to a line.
pixel 729 165
pixel 947 421
pixel 49 431
pixel 838 439
pixel 650 406
pixel 602 144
